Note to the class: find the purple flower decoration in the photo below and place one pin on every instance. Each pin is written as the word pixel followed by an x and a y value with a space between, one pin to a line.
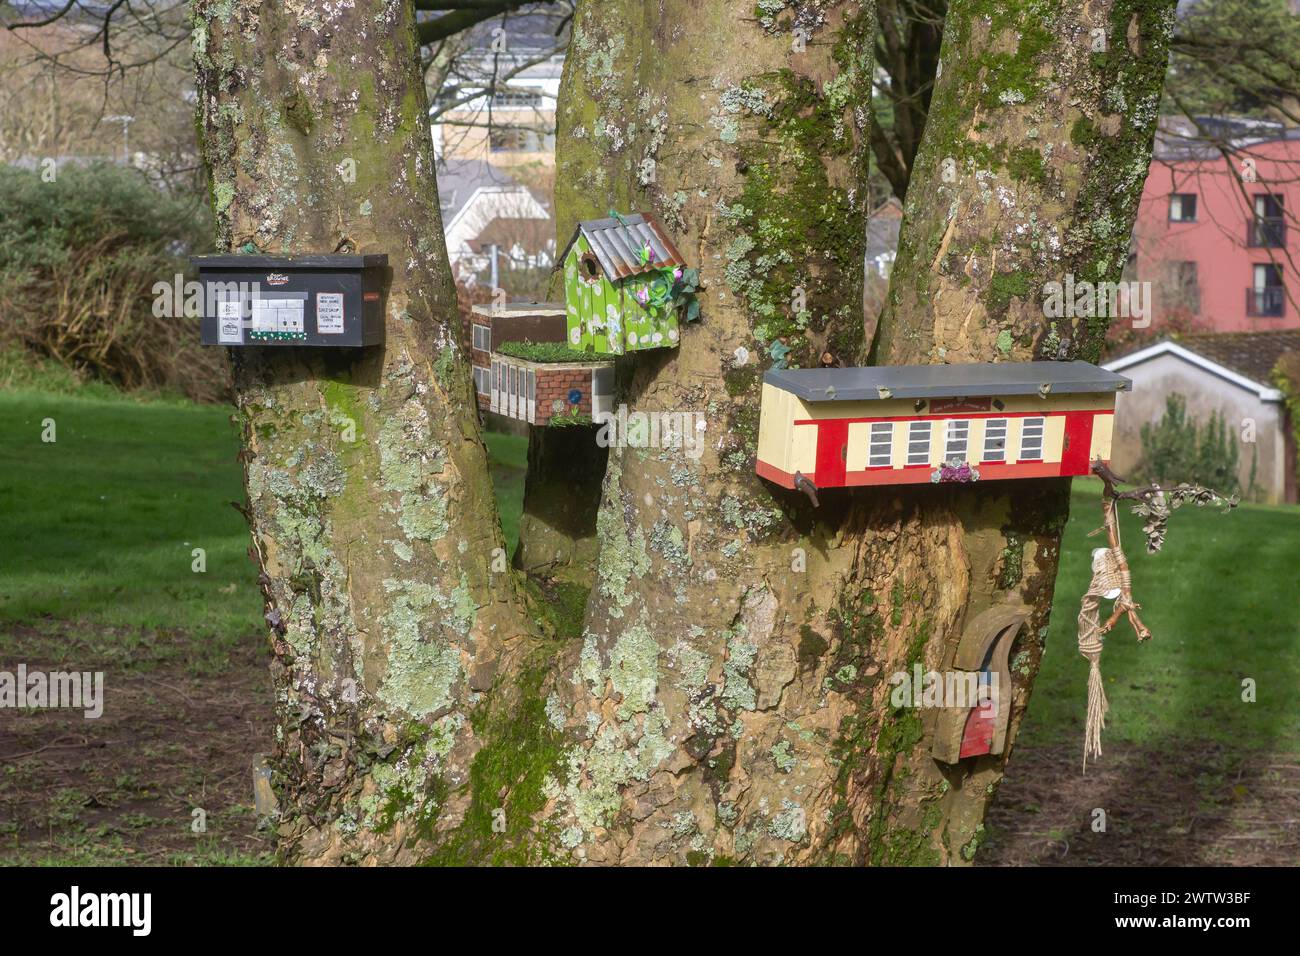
pixel 642 296
pixel 677 273
pixel 955 469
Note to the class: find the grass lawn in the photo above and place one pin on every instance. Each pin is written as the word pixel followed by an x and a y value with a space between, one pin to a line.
pixel 1219 602
pixel 101 524
pixel 97 573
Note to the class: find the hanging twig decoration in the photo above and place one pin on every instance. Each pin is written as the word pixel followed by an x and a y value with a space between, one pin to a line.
pixel 1111 579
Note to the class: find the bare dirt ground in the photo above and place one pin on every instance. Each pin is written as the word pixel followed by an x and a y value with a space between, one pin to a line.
pixel 176 737
pixel 124 788
pixel 1198 806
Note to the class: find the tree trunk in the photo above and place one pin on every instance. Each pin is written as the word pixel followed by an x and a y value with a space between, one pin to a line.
pixel 701 717
pixel 736 669
pixel 1033 160
pixel 369 498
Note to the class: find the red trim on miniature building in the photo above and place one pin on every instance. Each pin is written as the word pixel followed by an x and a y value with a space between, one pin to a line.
pixel 832 453
pixel 774 474
pixel 919 474
pixel 1077 444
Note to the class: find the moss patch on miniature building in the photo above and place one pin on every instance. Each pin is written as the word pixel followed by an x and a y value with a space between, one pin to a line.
pixel 547 352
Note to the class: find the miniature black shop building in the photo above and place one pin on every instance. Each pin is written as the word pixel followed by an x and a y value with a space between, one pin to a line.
pixel 332 300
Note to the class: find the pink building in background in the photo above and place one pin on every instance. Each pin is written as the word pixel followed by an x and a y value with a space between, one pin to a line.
pixel 1221 251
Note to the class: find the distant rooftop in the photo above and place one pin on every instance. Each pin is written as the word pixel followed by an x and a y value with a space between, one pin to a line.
pixel 1252 354
pixel 1179 138
pixel 459 179
pixel 970 380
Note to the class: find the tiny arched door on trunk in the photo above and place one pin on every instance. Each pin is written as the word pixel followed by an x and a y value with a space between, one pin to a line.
pixel 983 652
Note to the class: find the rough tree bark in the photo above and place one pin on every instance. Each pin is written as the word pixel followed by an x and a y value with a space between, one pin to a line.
pixel 369 498
pixel 1034 155
pixel 700 715
pixel 734 697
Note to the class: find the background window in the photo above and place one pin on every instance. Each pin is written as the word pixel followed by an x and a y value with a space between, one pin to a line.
pixel 602 391
pixel 880 452
pixel 1268 228
pixel 1267 297
pixel 1031 440
pixel 957 437
pixel 918 443
pixel 995 439
pixel 482 336
pixel 1182 207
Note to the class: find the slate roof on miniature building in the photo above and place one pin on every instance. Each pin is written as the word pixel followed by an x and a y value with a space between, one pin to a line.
pixel 617 245
pixel 971 380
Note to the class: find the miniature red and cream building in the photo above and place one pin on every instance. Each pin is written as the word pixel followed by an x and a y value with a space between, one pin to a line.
pixel 525 369
pixel 912 424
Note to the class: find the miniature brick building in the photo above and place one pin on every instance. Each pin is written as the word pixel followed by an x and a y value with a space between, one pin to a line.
pixel 890 425
pixel 537 377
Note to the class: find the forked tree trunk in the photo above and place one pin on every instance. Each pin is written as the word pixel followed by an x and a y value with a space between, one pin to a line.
pixel 729 701
pixel 734 703
pixel 368 491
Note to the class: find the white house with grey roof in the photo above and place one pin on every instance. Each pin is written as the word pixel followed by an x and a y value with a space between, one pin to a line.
pixel 1230 373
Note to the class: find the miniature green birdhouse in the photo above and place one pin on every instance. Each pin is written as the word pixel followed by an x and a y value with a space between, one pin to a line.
pixel 625 286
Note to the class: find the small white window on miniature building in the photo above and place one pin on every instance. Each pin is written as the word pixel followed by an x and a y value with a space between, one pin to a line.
pixel 918 443
pixel 531 392
pixel 482 336
pixel 602 392
pixel 1031 440
pixel 495 404
pixel 482 381
pixel 958 435
pixel 880 449
pixel 995 439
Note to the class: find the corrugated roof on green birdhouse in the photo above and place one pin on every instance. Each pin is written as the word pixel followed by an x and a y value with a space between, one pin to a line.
pixel 625 286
